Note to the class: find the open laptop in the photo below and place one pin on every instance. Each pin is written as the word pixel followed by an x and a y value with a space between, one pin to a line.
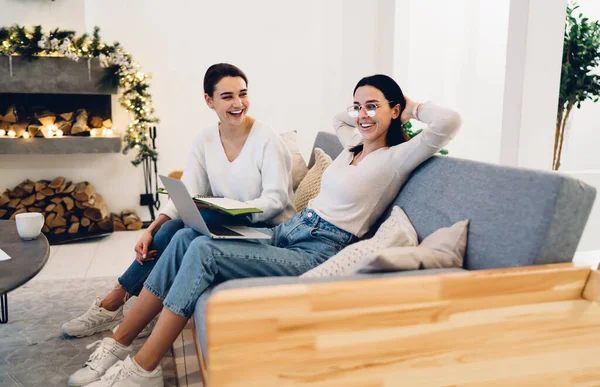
pixel 191 216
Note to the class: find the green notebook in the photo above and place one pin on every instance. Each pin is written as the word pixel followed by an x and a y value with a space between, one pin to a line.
pixel 229 206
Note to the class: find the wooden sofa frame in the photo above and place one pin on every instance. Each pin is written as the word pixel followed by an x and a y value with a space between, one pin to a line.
pixel 519 326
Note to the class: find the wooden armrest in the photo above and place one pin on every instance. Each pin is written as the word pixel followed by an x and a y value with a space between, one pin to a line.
pixel 506 326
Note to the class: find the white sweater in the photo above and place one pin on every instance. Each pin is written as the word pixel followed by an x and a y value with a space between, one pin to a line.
pixel 354 197
pixel 261 175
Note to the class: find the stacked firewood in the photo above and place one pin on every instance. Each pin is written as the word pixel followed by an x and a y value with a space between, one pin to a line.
pixel 73 208
pixel 128 220
pixel 48 124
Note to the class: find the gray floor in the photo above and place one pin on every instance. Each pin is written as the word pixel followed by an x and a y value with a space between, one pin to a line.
pixel 32 350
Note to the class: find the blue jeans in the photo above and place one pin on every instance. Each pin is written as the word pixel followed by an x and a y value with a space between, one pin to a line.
pixel 193 262
pixel 134 277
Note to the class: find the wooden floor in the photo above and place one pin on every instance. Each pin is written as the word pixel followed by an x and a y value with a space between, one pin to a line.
pixel 186 359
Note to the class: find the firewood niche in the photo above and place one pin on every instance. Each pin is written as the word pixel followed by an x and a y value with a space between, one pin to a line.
pixel 72 210
pixel 42 115
pixel 35 120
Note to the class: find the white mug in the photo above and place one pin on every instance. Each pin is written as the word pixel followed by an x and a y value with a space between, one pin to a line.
pixel 29 225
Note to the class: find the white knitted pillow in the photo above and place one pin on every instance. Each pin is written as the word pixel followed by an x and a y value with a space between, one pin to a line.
pixel 397 230
pixel 311 184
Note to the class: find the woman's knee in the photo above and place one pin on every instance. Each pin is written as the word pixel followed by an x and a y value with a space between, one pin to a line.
pixel 200 250
pixel 166 233
pixel 185 235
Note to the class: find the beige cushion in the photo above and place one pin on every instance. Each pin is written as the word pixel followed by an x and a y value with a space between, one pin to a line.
pixel 299 167
pixel 397 230
pixel 311 184
pixel 444 248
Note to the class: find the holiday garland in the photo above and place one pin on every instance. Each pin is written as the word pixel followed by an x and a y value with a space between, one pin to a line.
pixel 121 71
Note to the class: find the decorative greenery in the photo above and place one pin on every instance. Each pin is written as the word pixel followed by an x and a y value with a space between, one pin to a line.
pixel 581 55
pixel 121 71
pixel 407 127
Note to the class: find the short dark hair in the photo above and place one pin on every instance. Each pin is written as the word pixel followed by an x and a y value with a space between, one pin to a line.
pixel 392 92
pixel 218 71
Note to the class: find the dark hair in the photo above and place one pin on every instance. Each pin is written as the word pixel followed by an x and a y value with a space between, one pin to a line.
pixel 393 93
pixel 218 71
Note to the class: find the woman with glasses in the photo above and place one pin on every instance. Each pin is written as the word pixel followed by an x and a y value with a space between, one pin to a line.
pixel 355 190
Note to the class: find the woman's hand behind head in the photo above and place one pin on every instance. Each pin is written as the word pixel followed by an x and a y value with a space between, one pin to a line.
pixel 407 113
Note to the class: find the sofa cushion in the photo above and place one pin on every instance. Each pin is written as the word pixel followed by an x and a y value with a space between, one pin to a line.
pixel 395 231
pixel 444 248
pixel 311 185
pixel 299 167
pixel 200 311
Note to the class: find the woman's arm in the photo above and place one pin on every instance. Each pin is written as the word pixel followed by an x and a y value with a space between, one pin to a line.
pixel 345 128
pixel 442 125
pixel 194 177
pixel 276 174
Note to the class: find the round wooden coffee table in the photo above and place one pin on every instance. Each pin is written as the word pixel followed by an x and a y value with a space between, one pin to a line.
pixel 27 259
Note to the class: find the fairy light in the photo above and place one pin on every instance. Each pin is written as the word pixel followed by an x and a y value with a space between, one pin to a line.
pixel 59 133
pixel 12 133
pixel 2 132
pixel 26 135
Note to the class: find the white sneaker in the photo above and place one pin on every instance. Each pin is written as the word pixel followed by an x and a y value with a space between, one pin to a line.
pixel 128 373
pixel 94 320
pixel 105 356
pixel 147 329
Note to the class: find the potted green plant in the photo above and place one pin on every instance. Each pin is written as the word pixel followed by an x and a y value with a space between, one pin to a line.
pixel 581 55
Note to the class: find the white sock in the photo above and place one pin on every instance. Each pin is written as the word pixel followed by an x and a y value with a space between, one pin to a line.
pixel 119 344
pixel 140 370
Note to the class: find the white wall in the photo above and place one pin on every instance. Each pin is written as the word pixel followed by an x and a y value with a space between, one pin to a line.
pixel 533 66
pixel 454 53
pixel 67 14
pixel 302 60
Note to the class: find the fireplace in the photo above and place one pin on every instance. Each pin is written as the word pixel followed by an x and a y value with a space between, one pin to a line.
pixel 55 105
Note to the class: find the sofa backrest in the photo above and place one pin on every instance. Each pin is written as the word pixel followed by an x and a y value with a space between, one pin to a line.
pixel 329 143
pixel 518 217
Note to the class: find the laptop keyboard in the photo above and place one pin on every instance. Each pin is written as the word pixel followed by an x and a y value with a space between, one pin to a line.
pixel 222 231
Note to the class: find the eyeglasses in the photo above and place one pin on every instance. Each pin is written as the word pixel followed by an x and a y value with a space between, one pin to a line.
pixel 370 109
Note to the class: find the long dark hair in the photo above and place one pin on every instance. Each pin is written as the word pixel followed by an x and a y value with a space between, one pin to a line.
pixel 392 92
pixel 219 71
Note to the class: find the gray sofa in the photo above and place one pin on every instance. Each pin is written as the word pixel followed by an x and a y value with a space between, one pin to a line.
pixel 517 217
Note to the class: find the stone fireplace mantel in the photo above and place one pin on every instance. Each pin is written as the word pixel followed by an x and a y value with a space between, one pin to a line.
pixel 49 75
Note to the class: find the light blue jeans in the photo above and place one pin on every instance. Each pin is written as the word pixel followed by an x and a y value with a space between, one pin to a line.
pixel 193 262
pixel 134 277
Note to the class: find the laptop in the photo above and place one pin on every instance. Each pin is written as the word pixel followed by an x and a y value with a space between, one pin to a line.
pixel 192 218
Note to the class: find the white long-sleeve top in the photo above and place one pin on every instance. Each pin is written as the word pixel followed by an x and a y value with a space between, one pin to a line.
pixel 353 197
pixel 260 176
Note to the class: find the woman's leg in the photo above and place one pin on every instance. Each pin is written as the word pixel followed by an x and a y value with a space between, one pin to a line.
pixel 132 280
pixel 170 326
pixel 206 262
pixel 143 311
pixel 105 314
pixel 118 347
pixel 149 304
